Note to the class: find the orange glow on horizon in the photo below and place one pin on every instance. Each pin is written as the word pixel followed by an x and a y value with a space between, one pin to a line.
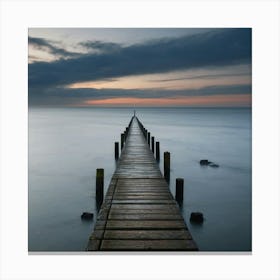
pixel 214 100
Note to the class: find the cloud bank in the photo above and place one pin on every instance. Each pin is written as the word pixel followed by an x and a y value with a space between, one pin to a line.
pixel 216 48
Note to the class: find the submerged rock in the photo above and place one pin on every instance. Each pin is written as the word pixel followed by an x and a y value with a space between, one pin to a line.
pixel 87 216
pixel 196 217
pixel 204 162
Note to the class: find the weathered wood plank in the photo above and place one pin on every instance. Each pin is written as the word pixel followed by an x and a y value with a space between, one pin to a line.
pixel 143 201
pixel 143 191
pixel 147 234
pixel 143 224
pixel 142 197
pixel 150 216
pixel 143 211
pixel 143 245
pixel 144 206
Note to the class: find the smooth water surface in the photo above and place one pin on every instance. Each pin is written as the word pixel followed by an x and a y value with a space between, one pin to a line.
pixel 66 145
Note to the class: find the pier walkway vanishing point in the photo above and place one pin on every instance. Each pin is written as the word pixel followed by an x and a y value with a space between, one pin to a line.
pixel 139 212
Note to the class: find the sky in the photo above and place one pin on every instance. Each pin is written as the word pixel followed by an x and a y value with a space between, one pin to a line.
pixel 85 67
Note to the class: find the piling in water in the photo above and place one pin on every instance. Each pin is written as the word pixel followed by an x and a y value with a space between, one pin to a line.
pixel 126 132
pixel 157 151
pixel 99 186
pixel 166 165
pixel 153 144
pixel 179 190
pixel 149 138
pixel 122 140
pixel 116 150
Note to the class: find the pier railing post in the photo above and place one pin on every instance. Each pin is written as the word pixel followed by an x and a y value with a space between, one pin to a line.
pixel 179 190
pixel 99 186
pixel 157 151
pixel 116 150
pixel 122 140
pixel 149 138
pixel 166 164
pixel 153 144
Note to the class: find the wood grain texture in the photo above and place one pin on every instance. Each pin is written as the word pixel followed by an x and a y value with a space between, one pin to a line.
pixel 139 213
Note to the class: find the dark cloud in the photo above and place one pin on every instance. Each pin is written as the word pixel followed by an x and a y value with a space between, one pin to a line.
pixel 43 44
pixel 102 47
pixel 67 96
pixel 216 48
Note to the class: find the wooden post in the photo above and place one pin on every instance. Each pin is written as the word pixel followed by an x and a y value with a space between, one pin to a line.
pixel 99 185
pixel 149 138
pixel 157 151
pixel 116 150
pixel 166 164
pixel 153 144
pixel 122 140
pixel 179 190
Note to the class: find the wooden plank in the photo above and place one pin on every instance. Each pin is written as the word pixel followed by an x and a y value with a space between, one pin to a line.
pixel 143 201
pixel 148 245
pixel 93 245
pixel 142 197
pixel 144 206
pixel 142 211
pixel 142 191
pixel 147 234
pixel 116 224
pixel 150 216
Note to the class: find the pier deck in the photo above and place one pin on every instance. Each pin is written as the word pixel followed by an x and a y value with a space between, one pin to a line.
pixel 139 213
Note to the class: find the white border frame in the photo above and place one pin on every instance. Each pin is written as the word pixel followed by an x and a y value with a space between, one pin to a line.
pixel 17 16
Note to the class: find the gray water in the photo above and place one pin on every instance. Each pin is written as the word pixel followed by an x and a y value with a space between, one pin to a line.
pixel 66 145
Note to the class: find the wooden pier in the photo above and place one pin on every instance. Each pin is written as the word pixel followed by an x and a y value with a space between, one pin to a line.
pixel 139 212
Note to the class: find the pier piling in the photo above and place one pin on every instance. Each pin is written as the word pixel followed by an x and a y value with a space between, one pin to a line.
pixel 166 165
pixel 157 151
pixel 99 185
pixel 116 150
pixel 179 190
pixel 122 140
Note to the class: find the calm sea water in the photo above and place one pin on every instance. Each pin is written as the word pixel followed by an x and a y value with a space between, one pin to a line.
pixel 67 145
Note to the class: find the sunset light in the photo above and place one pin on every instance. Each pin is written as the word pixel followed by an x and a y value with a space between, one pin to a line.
pixel 215 100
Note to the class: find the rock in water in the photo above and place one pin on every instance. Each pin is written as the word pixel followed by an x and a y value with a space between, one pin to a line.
pixel 204 162
pixel 196 217
pixel 87 216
